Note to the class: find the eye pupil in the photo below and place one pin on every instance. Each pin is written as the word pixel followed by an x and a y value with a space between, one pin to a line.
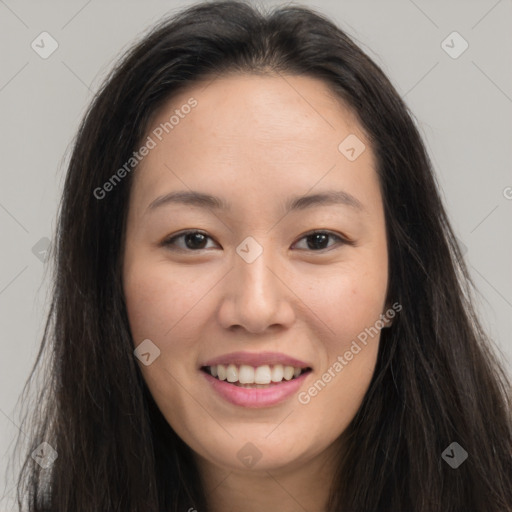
pixel 318 240
pixel 197 240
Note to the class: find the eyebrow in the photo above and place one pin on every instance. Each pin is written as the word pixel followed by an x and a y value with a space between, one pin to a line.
pixel 199 199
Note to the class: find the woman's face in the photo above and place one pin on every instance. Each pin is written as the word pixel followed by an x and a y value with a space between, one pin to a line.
pixel 256 289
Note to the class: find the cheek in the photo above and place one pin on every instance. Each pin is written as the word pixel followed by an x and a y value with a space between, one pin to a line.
pixel 350 347
pixel 147 298
pixel 346 301
pixel 350 304
pixel 157 300
pixel 160 307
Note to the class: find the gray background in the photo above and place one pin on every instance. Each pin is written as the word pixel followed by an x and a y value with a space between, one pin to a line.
pixel 463 107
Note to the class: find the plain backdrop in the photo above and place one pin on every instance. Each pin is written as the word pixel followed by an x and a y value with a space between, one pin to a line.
pixel 462 101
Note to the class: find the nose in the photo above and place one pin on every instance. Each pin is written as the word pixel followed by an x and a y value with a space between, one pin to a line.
pixel 256 296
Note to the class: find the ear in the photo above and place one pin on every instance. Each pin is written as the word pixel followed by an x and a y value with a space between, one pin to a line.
pixel 388 315
pixel 387 321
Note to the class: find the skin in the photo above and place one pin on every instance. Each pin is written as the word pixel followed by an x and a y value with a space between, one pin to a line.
pixel 255 141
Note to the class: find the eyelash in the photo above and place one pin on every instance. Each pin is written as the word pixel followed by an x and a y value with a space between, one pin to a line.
pixel 341 240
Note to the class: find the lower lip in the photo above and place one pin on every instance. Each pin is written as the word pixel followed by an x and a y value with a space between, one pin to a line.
pixel 256 397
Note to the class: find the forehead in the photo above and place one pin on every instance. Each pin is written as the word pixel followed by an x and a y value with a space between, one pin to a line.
pixel 258 109
pixel 274 132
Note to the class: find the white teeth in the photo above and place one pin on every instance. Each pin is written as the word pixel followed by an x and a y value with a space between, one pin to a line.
pixel 261 375
pixel 246 374
pixel 231 373
pixel 221 369
pixel 277 373
pixel 288 372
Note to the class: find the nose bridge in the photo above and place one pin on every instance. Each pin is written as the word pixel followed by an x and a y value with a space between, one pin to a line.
pixel 256 298
pixel 255 284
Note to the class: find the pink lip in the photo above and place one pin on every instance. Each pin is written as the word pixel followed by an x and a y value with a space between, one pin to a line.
pixel 255 397
pixel 256 359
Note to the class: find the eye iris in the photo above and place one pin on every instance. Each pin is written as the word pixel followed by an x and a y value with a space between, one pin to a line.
pixel 318 240
pixel 195 240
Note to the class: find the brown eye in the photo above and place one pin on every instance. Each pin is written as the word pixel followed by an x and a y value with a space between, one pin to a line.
pixel 319 240
pixel 190 240
pixel 197 240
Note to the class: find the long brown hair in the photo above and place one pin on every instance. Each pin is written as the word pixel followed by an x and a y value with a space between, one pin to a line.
pixel 437 378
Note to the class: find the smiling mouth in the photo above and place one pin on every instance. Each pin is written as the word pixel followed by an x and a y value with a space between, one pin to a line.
pixel 247 376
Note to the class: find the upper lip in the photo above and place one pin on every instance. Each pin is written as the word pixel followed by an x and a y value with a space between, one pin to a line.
pixel 256 359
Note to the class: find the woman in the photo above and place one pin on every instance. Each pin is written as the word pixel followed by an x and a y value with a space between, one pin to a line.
pixel 259 301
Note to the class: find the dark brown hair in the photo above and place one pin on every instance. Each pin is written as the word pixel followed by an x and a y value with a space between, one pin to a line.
pixel 437 378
